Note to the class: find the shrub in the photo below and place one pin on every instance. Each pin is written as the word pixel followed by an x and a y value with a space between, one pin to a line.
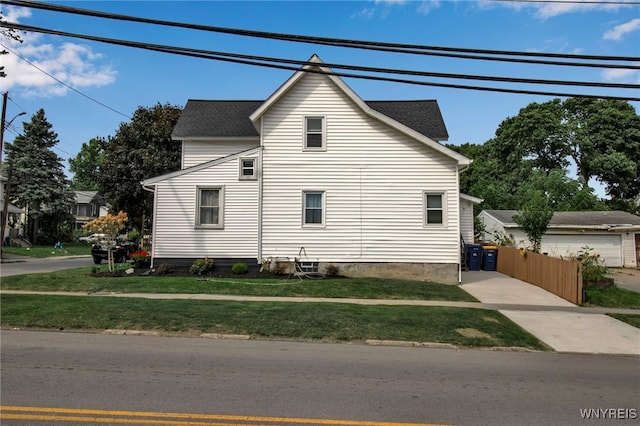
pixel 332 270
pixel 165 268
pixel 239 268
pixel 201 266
pixel 593 267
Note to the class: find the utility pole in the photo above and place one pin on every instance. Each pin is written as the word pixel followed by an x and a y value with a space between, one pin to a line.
pixel 7 191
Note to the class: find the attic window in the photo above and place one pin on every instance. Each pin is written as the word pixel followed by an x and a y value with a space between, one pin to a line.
pixel 248 169
pixel 314 133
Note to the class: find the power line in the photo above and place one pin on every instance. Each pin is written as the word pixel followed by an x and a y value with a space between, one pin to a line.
pixel 359 44
pixel 601 2
pixel 174 49
pixel 62 82
pixel 277 63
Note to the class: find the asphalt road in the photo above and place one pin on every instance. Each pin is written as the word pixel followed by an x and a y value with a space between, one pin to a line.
pixel 33 266
pixel 268 382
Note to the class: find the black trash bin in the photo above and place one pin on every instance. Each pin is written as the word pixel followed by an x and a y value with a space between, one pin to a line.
pixel 489 258
pixel 474 256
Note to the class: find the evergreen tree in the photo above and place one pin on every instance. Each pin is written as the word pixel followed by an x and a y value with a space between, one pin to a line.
pixel 38 182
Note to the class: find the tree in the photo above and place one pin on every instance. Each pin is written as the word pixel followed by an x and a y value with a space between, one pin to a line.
pixel 140 149
pixel 86 164
pixel 601 137
pixel 36 175
pixel 604 139
pixel 9 34
pixel 109 225
pixel 534 217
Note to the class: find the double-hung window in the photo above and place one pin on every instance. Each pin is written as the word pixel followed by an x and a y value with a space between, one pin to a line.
pixel 248 169
pixel 314 133
pixel 434 208
pixel 313 208
pixel 209 212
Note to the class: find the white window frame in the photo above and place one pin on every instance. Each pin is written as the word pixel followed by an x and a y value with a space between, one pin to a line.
pixel 426 209
pixel 304 209
pixel 323 134
pixel 241 167
pixel 220 223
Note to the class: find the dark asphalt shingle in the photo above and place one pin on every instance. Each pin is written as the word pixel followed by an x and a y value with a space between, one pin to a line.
pixel 210 118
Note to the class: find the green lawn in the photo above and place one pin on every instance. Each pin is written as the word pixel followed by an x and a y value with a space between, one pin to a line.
pixel 365 288
pixel 301 321
pixel 613 297
pixel 49 251
pixel 630 319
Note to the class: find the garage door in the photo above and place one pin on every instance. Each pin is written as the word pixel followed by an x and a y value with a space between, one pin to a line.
pixel 609 246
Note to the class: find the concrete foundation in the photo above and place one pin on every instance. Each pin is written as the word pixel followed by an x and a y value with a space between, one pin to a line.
pixel 444 273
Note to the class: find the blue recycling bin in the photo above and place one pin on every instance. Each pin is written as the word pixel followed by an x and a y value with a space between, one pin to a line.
pixel 489 258
pixel 474 256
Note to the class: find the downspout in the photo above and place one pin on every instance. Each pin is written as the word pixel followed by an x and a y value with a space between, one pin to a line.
pixel 153 223
pixel 260 189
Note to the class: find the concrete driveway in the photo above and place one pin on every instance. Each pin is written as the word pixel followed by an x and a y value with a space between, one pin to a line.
pixel 560 324
pixel 628 278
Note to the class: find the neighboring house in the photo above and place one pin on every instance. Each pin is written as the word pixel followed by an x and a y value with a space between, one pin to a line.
pixel 614 235
pixel 15 213
pixel 318 174
pixel 88 206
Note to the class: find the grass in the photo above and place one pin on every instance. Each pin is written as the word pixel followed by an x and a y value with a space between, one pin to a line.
pixel 302 321
pixel 41 252
pixel 630 319
pixel 370 288
pixel 612 297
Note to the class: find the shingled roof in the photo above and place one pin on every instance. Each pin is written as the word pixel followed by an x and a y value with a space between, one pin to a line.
pixel 204 118
pixel 587 219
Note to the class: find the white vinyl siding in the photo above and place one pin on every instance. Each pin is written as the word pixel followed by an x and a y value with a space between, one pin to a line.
pixel 466 221
pixel 176 199
pixel 375 175
pixel 197 152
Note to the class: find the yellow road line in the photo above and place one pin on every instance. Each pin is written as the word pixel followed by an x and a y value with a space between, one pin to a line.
pixel 158 418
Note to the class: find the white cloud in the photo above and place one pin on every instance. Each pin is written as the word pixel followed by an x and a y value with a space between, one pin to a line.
pixel 619 75
pixel 427 6
pixel 618 32
pixel 77 65
pixel 552 8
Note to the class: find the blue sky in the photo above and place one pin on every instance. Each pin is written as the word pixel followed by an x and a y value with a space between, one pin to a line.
pixel 124 78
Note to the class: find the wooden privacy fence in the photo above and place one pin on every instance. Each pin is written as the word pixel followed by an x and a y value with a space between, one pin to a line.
pixel 562 277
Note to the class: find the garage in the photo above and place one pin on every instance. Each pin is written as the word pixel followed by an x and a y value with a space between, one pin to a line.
pixel 608 246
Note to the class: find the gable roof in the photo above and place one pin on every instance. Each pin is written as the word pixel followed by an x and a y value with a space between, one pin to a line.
pixel 201 118
pixel 585 219
pixel 201 166
pixel 84 197
pixel 420 119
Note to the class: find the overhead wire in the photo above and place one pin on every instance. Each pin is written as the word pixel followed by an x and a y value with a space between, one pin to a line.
pixel 359 44
pixel 294 65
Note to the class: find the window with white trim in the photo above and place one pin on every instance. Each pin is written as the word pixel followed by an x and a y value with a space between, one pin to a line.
pixel 314 133
pixel 313 208
pixel 434 208
pixel 248 169
pixel 209 213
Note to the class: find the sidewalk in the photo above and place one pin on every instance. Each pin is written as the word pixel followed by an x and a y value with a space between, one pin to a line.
pixel 560 324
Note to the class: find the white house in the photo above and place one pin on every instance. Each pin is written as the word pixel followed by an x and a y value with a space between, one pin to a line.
pixel 315 173
pixel 614 235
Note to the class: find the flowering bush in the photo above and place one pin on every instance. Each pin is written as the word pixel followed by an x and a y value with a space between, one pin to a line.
pixel 201 266
pixel 140 256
